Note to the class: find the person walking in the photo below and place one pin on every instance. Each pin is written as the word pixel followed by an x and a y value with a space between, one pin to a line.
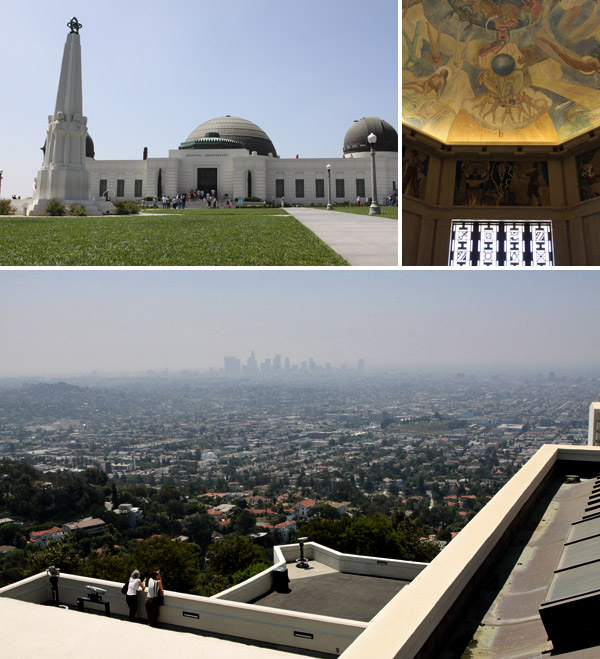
pixel 154 590
pixel 135 585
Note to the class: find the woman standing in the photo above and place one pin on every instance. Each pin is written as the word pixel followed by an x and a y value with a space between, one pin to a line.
pixel 135 584
pixel 154 590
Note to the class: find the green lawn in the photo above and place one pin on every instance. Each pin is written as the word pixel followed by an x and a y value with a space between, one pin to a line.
pixel 226 237
pixel 390 211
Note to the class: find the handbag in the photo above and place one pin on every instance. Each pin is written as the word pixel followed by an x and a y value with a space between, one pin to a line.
pixel 160 600
pixel 125 587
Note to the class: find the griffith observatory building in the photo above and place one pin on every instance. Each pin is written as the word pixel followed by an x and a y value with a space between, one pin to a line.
pixel 237 159
pixel 232 156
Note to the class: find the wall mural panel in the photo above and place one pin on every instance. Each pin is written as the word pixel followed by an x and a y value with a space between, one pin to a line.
pixel 588 168
pixel 501 184
pixel 501 71
pixel 414 172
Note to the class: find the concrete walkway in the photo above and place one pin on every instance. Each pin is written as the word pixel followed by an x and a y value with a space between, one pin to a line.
pixel 360 239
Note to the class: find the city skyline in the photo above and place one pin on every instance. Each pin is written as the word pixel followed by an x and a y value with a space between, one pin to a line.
pixel 278 363
pixel 152 73
pixel 61 323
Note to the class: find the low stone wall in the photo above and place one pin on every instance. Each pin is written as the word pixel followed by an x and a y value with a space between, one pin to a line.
pixel 234 620
pixel 350 563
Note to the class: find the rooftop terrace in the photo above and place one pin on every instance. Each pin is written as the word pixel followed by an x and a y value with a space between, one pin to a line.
pixel 324 609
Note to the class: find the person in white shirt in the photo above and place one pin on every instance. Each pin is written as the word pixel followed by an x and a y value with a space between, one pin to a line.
pixel 135 584
pixel 154 590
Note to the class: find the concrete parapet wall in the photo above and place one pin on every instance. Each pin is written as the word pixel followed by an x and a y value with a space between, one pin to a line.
pixel 249 590
pixel 34 589
pixel 370 566
pixel 286 629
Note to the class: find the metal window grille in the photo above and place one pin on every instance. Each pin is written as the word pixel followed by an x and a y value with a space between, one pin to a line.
pixel 137 188
pixel 299 187
pixel 360 187
pixel 120 187
pixel 279 187
pixel 340 188
pixel 476 243
pixel 320 187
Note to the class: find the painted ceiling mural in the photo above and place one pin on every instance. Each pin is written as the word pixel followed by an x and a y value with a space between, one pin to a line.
pixel 509 71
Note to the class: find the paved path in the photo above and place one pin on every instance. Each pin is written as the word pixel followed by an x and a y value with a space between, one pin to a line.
pixel 360 239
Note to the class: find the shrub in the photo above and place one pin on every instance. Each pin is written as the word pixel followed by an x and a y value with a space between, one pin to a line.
pixel 126 207
pixel 55 208
pixel 6 207
pixel 77 209
pixel 251 199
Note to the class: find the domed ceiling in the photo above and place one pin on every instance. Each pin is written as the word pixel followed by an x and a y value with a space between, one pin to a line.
pixel 501 71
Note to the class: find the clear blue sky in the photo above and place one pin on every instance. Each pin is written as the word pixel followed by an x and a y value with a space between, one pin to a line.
pixel 154 70
pixel 68 322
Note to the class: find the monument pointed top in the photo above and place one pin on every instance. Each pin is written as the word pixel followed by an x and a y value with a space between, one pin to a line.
pixel 74 25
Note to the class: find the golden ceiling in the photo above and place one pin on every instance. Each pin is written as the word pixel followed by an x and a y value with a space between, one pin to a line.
pixel 501 71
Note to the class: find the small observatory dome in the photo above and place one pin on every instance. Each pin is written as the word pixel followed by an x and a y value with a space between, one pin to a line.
pixel 356 137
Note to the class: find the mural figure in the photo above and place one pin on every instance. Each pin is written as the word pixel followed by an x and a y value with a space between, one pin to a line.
pixel 501 184
pixel 588 166
pixel 434 84
pixel 533 187
pixel 415 172
pixel 501 71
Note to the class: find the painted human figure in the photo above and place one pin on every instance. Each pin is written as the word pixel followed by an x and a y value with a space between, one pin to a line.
pixel 533 187
pixel 411 173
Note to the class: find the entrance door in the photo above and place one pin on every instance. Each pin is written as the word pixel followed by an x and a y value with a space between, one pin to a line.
pixel 207 179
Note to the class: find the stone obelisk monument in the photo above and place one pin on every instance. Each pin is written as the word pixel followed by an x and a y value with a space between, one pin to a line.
pixel 63 175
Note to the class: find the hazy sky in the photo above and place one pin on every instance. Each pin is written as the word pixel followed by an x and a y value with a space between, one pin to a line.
pixel 67 322
pixel 154 70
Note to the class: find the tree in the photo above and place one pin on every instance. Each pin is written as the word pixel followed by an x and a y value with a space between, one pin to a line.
pixel 232 554
pixel 243 521
pixel 177 561
pixel 60 553
pixel 199 528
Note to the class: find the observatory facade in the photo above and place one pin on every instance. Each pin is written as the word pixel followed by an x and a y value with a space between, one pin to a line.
pixel 237 159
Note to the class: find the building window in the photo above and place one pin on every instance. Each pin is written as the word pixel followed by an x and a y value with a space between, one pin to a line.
pixel 501 244
pixel 137 188
pixel 299 187
pixel 103 186
pixel 120 187
pixel 320 187
pixel 360 187
pixel 279 187
pixel 249 184
pixel 340 189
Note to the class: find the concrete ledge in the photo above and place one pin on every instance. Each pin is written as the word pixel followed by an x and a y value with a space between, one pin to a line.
pixel 425 604
pixel 233 620
pixel 370 566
